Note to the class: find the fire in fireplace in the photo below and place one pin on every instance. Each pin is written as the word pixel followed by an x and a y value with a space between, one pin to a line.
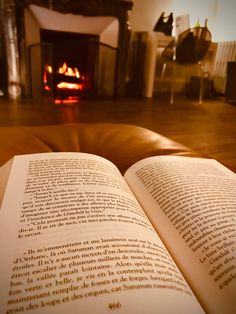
pixel 67 82
pixel 69 64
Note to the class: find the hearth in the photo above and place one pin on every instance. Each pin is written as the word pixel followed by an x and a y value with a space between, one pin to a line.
pixel 70 63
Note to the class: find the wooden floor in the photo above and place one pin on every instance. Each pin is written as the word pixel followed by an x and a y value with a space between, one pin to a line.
pixel 209 128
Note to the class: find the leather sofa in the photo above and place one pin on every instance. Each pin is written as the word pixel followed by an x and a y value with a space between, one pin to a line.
pixel 121 143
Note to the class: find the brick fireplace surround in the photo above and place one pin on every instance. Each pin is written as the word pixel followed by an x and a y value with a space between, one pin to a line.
pixel 13 29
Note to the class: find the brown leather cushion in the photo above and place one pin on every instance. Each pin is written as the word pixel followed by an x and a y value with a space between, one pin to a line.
pixel 122 144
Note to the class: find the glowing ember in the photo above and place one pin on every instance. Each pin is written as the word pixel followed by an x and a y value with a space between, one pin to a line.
pixel 68 101
pixel 64 85
pixel 47 87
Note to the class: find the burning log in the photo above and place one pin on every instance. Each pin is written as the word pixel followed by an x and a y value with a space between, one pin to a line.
pixel 65 82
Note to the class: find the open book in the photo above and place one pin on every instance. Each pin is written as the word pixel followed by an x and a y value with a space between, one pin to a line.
pixel 77 237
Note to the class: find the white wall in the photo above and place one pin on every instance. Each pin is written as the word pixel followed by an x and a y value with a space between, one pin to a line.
pixel 221 15
pixel 145 13
pixel 225 21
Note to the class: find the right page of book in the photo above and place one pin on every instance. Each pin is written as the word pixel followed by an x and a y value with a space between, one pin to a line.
pixel 192 204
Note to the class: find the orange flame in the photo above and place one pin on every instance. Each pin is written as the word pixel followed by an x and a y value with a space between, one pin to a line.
pixel 64 69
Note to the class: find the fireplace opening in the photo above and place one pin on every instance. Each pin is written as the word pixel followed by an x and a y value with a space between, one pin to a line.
pixel 69 65
pixel 70 56
pixel 30 60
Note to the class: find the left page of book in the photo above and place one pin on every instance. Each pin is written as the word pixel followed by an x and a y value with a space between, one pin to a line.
pixel 74 238
pixel 4 175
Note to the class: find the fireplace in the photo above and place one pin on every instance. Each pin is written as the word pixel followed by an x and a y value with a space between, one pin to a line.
pixel 68 66
pixel 102 64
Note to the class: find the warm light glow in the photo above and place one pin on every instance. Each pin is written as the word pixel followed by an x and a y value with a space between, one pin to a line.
pixel 69 101
pixel 49 68
pixel 65 85
pixel 64 69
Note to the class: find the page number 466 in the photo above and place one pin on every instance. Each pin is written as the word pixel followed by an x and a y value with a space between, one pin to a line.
pixel 114 305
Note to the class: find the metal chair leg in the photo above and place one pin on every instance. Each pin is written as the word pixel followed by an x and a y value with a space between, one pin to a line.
pixel 162 75
pixel 172 84
pixel 201 83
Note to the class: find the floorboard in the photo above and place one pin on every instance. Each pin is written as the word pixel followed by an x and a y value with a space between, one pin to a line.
pixel 209 128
